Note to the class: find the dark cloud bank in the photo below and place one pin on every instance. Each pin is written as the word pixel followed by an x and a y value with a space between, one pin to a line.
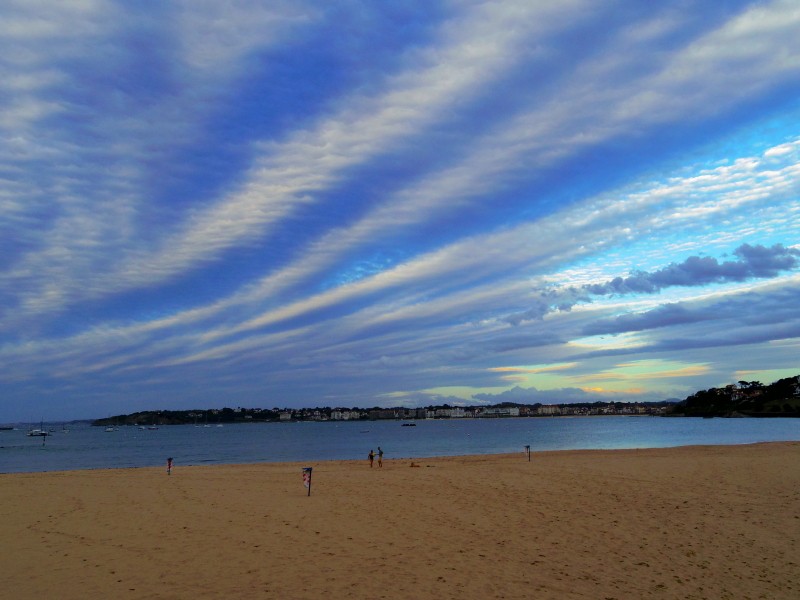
pixel 753 262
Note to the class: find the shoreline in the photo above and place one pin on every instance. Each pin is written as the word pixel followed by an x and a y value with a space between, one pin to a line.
pixel 436 457
pixel 88 448
pixel 682 522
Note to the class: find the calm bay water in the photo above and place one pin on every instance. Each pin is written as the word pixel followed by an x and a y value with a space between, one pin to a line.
pixel 86 447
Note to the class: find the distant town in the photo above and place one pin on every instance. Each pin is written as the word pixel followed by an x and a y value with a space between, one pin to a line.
pixel 239 414
pixel 744 399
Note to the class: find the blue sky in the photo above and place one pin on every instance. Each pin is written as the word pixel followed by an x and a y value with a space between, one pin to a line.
pixel 264 204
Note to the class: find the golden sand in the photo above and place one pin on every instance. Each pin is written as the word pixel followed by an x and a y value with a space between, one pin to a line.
pixel 696 522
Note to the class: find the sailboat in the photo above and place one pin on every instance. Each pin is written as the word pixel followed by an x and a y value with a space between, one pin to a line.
pixel 40 432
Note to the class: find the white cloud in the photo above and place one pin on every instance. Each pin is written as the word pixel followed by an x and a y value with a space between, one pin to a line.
pixel 217 36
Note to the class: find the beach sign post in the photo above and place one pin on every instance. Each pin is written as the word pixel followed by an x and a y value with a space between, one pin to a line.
pixel 307 478
pixel 528 450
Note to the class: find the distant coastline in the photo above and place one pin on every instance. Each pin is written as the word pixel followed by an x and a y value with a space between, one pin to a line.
pixel 261 415
pixel 743 399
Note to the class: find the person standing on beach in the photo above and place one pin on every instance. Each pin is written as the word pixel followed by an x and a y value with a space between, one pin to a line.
pixel 169 466
pixel 371 457
pixel 380 457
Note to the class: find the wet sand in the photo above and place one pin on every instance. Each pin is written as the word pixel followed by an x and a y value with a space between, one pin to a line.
pixel 696 522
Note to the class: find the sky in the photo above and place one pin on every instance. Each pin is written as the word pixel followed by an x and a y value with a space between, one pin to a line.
pixel 299 204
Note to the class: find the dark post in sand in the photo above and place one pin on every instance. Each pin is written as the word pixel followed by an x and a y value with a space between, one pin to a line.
pixel 528 450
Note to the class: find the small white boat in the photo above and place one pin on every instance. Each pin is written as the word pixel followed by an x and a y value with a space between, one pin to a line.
pixel 40 432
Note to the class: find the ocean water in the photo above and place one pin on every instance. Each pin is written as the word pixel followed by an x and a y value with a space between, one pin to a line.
pixel 87 447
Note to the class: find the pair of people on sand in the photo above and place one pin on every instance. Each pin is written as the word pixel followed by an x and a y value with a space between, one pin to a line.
pixel 371 457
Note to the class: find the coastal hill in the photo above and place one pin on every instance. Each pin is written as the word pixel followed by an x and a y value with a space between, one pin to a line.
pixel 745 399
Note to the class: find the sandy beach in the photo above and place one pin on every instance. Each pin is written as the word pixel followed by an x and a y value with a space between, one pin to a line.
pixel 695 522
